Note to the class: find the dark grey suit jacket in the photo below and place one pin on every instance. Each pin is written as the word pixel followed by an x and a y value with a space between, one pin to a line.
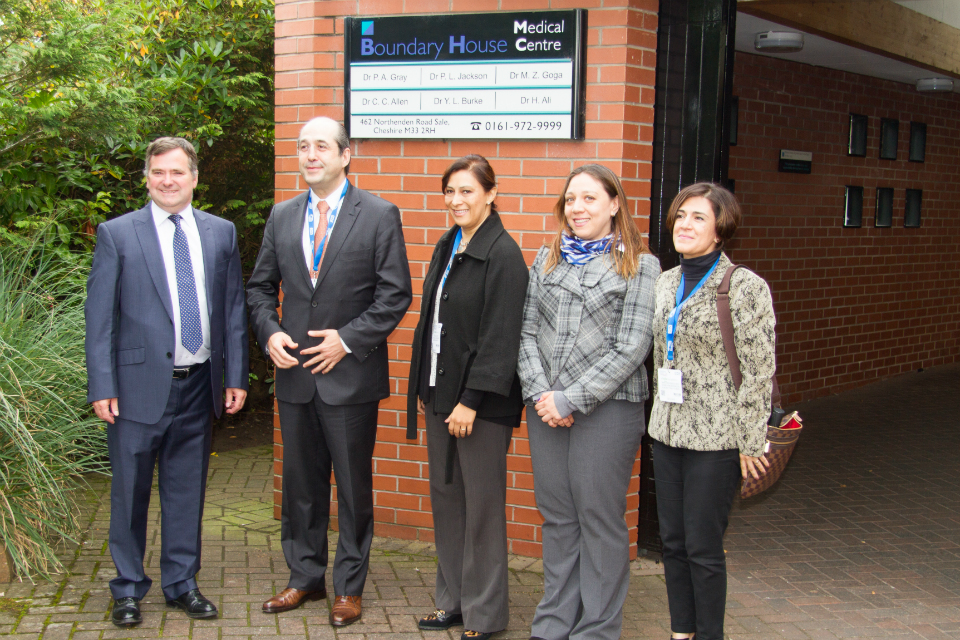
pixel 363 291
pixel 130 338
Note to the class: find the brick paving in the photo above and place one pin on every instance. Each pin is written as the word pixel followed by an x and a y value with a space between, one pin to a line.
pixel 861 539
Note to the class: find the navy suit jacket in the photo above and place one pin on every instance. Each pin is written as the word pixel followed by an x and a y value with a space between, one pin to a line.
pixel 363 291
pixel 130 339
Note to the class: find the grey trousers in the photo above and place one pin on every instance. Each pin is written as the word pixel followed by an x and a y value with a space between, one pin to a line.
pixel 580 478
pixel 470 522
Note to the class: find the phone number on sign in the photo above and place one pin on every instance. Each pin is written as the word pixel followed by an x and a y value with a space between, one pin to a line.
pixel 517 125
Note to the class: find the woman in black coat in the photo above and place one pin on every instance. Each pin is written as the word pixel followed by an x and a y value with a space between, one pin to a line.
pixel 463 380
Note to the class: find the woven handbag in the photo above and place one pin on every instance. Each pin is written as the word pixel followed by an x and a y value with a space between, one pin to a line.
pixel 782 431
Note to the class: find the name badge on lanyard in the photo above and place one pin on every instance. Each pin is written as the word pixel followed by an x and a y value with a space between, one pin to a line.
pixel 670 381
pixel 437 325
pixel 670 385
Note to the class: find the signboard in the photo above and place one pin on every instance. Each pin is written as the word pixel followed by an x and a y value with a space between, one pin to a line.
pixel 795 161
pixel 476 76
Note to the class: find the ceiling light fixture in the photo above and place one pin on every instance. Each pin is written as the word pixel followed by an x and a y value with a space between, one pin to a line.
pixel 778 41
pixel 935 84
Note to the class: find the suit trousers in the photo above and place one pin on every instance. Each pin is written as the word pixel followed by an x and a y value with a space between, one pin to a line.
pixel 318 437
pixel 694 495
pixel 580 478
pixel 470 522
pixel 179 446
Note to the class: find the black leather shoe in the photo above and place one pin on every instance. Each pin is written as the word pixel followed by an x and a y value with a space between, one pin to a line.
pixel 194 604
pixel 440 620
pixel 126 612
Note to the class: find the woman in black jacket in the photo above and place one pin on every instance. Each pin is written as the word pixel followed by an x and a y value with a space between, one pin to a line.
pixel 463 380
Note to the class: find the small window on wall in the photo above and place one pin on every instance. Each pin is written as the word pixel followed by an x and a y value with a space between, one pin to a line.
pixel 911 216
pixel 918 141
pixel 889 136
pixel 853 207
pixel 857 143
pixel 884 215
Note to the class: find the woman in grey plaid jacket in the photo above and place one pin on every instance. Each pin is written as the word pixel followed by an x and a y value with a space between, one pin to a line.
pixel 586 331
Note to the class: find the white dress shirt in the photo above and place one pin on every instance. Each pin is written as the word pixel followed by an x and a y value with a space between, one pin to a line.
pixel 165 230
pixel 334 201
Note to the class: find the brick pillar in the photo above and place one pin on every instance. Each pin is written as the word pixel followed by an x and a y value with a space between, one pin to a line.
pixel 621 62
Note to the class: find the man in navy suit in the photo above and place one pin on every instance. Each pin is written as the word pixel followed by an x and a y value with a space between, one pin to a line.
pixel 166 333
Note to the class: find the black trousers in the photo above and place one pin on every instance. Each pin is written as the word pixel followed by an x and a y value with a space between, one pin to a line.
pixel 694 494
pixel 179 446
pixel 318 437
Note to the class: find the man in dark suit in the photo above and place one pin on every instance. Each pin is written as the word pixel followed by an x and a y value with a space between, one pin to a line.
pixel 340 254
pixel 166 332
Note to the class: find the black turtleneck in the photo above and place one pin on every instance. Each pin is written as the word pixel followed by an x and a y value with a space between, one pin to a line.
pixel 694 269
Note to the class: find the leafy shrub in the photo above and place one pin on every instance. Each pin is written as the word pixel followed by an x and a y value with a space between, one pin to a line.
pixel 85 85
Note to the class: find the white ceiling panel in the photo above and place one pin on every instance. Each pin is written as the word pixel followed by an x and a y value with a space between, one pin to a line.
pixel 821 52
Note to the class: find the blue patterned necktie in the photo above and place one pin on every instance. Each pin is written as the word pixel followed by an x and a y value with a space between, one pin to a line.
pixel 191 335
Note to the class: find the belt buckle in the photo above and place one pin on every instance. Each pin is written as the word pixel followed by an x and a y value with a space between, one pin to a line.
pixel 179 373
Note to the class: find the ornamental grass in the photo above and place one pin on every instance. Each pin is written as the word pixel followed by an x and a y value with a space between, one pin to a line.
pixel 48 435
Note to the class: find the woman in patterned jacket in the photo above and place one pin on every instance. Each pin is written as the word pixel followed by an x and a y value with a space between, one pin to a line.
pixel 586 332
pixel 706 433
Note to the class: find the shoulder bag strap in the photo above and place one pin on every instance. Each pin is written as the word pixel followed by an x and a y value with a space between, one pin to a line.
pixel 726 332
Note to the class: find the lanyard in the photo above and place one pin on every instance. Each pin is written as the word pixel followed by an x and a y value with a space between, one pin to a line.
pixel 436 329
pixel 675 315
pixel 453 252
pixel 331 218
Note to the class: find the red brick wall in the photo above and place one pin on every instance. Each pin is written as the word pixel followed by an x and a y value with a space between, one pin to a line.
pixel 619 132
pixel 853 305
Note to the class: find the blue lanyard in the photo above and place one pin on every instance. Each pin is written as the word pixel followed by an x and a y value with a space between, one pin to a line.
pixel 675 314
pixel 453 252
pixel 331 218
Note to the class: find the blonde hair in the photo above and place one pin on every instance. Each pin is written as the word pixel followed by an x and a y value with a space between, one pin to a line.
pixel 627 243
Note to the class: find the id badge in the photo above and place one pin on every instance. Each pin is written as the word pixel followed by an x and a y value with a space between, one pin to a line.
pixel 435 339
pixel 670 385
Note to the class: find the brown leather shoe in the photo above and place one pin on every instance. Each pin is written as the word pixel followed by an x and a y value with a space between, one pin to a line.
pixel 346 610
pixel 291 598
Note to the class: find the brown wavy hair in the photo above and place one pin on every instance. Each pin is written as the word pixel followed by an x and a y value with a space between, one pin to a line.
pixel 166 144
pixel 627 243
pixel 726 209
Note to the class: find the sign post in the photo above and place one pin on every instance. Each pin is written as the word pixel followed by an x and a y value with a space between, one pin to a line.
pixel 474 76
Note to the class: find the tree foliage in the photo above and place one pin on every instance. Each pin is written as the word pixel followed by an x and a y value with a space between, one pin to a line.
pixel 58 100
pixel 85 85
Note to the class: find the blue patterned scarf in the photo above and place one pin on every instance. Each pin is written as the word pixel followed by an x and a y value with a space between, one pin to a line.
pixel 579 252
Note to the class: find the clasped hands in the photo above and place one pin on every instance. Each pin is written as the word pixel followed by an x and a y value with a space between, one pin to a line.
pixel 328 353
pixel 547 410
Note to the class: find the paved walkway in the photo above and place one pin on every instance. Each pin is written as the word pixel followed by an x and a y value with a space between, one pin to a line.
pixel 862 539
pixel 862 535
